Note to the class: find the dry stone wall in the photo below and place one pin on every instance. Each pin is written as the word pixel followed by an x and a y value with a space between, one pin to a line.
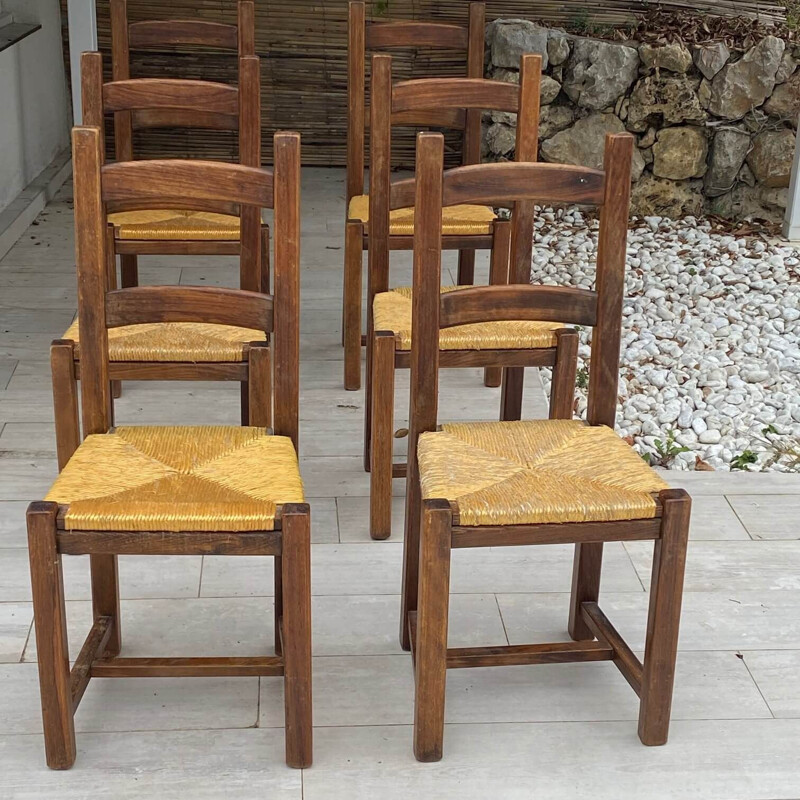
pixel 715 129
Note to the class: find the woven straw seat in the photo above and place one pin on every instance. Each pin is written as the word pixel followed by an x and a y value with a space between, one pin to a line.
pixel 211 478
pixel 537 471
pixel 175 342
pixel 456 220
pixel 175 225
pixel 392 312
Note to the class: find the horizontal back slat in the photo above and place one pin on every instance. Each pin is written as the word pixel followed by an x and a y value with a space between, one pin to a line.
pixel 174 203
pixel 190 180
pixel 517 302
pixel 416 34
pixel 454 93
pixel 208 304
pixel 166 33
pixel 170 93
pixel 148 118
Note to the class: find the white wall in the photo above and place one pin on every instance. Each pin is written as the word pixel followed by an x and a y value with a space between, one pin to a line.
pixel 34 111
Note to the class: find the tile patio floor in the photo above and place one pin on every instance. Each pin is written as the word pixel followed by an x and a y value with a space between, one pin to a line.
pixel 520 732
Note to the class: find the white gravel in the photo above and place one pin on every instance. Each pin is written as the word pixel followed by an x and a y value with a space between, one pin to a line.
pixel 711 335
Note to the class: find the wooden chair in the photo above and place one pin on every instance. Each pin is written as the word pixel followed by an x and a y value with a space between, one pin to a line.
pixel 531 482
pixel 161 231
pixel 511 345
pixel 170 351
pixel 211 490
pixel 463 235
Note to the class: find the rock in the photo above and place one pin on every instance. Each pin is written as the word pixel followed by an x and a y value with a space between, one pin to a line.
pixel 506 75
pixel 651 195
pixel 599 72
pixel 661 101
pixel 672 56
pixel 557 48
pixel 680 153
pixel 785 100
pixel 710 437
pixel 746 176
pixel 786 69
pixel 704 93
pixel 711 58
pixel 583 143
pixel 746 202
pixel 505 117
pixel 512 38
pixel 771 157
pixel 649 139
pixel 774 198
pixel 500 139
pixel 746 84
pixel 728 151
pixel 548 90
pixel 553 119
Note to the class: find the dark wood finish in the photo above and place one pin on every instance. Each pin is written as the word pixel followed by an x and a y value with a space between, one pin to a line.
pixel 587 566
pixel 164 33
pixel 498 276
pixel 65 400
pixel 49 617
pixel 104 571
pixel 172 247
pixel 259 385
pixel 418 34
pixel 170 543
pixel 149 118
pixel 627 663
pixel 211 304
pixel 515 535
pixel 287 284
pixel 193 667
pixel 452 359
pixel 517 302
pixel 351 316
pixel 562 385
pixel 382 437
pixel 463 93
pixel 663 621
pixel 295 629
pixel 170 93
pixel 430 655
pixel 178 371
pixel 93 648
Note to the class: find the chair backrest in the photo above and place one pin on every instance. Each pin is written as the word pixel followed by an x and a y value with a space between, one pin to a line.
pixel 195 183
pixel 385 35
pixel 500 184
pixel 448 100
pixel 168 102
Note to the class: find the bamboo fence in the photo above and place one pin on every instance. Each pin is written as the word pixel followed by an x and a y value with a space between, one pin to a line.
pixel 303 47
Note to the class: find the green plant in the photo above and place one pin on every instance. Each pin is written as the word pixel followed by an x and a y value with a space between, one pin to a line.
pixel 380 7
pixel 582 378
pixel 666 450
pixel 783 450
pixel 741 460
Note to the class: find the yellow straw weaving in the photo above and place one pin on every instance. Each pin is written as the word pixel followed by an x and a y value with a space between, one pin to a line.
pixel 537 471
pixel 210 478
pixel 174 225
pixel 392 312
pixel 456 220
pixel 175 341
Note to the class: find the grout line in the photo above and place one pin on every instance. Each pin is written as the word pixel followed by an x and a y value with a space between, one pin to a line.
pixel 755 683
pixel 740 520
pixel 502 621
pixel 636 571
pixel 200 581
pixel 25 646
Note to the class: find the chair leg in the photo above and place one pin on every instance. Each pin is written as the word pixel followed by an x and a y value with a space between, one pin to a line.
pixel 105 597
pixel 244 393
pixel 431 640
pixel 111 278
pixel 278 572
pixel 351 317
pixel 380 481
pixel 466 267
pixel 65 400
pixel 129 268
pixel 265 281
pixel 259 385
pixel 663 621
pixel 562 386
pixel 586 568
pixel 49 613
pixel 296 628
pixel 498 276
pixel 511 394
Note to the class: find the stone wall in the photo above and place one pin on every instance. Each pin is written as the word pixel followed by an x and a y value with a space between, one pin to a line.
pixel 715 129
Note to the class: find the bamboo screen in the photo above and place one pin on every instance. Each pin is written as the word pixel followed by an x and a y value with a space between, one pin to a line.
pixel 303 48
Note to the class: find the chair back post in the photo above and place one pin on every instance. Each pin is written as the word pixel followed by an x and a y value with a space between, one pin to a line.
pixel 250 265
pixel 356 29
pixel 92 90
pixel 246 28
pixel 90 256
pixel 526 150
pixel 121 71
pixel 610 281
pixel 380 158
pixel 424 379
pixel 287 284
pixel 472 128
